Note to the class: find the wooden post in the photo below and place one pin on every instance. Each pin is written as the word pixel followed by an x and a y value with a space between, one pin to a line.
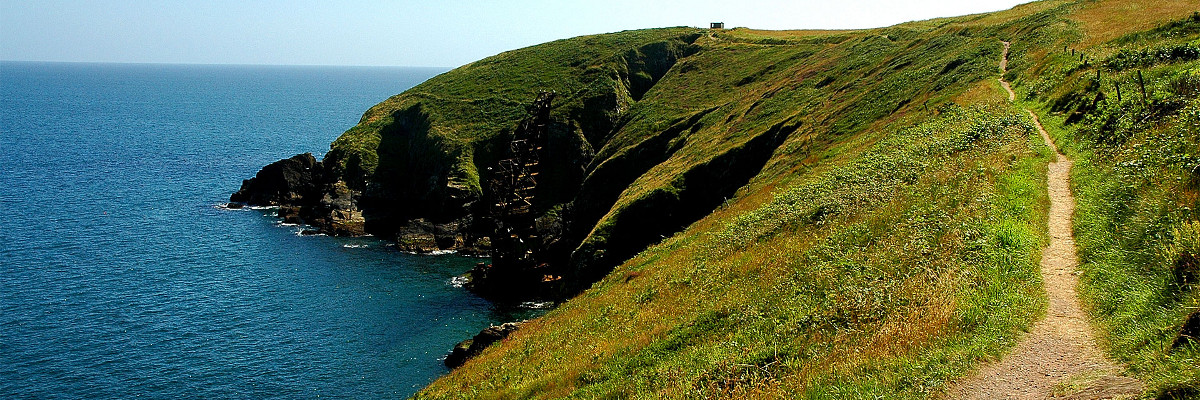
pixel 1118 86
pixel 1142 85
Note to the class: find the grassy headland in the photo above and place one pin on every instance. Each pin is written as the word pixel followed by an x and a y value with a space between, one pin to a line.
pixel 817 214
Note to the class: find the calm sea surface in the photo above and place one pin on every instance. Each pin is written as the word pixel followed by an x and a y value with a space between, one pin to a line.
pixel 120 278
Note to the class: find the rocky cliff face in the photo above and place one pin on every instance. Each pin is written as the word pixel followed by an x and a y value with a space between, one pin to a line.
pixel 285 182
pixel 305 192
pixel 415 170
pixel 651 131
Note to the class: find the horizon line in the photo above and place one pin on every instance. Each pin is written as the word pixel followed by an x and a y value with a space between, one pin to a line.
pixel 218 64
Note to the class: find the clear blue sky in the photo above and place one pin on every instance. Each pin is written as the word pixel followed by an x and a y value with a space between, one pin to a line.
pixel 441 33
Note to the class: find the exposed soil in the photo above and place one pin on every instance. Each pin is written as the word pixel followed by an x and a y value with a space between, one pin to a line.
pixel 1059 357
pixel 1008 88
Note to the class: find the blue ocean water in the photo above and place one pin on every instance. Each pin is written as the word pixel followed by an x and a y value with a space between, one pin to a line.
pixel 120 278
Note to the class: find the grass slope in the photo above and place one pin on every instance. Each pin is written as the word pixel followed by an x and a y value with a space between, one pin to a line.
pixel 883 276
pixel 888 243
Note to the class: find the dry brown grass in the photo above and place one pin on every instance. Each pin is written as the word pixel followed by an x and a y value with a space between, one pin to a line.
pixel 794 33
pixel 1018 11
pixel 1102 21
pixel 983 91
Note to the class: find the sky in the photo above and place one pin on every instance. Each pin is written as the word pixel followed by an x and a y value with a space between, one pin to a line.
pixel 441 33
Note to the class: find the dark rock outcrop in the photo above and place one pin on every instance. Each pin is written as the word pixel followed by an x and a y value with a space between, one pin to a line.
pixel 1185 272
pixel 289 214
pixel 469 348
pixel 420 236
pixel 308 191
pixel 305 192
pixel 336 212
pixel 1190 333
pixel 290 181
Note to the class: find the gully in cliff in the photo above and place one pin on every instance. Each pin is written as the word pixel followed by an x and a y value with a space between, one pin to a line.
pixel 518 267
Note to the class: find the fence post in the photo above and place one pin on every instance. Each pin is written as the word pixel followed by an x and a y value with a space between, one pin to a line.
pixel 1142 85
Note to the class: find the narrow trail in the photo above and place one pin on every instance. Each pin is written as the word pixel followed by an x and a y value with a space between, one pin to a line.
pixel 1059 357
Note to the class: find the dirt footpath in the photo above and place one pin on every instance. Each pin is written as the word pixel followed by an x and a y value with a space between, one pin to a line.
pixel 1059 358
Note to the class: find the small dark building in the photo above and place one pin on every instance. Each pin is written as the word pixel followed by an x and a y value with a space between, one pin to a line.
pixel 716 25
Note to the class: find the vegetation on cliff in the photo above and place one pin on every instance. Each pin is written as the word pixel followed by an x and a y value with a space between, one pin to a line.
pixel 425 153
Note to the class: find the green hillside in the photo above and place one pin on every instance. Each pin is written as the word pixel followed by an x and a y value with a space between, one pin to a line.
pixel 816 214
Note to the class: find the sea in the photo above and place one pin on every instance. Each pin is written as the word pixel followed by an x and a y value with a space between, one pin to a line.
pixel 123 277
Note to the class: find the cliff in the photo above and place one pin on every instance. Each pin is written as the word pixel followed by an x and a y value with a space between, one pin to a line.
pixel 652 130
pixel 742 213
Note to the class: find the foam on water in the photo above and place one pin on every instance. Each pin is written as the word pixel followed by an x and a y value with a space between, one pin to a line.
pixel 537 305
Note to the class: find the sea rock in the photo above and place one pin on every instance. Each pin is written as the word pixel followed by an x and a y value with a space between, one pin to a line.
pixel 470 348
pixel 421 236
pixel 305 193
pixel 284 182
pixel 289 214
pixel 417 236
pixel 345 223
pixel 338 196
